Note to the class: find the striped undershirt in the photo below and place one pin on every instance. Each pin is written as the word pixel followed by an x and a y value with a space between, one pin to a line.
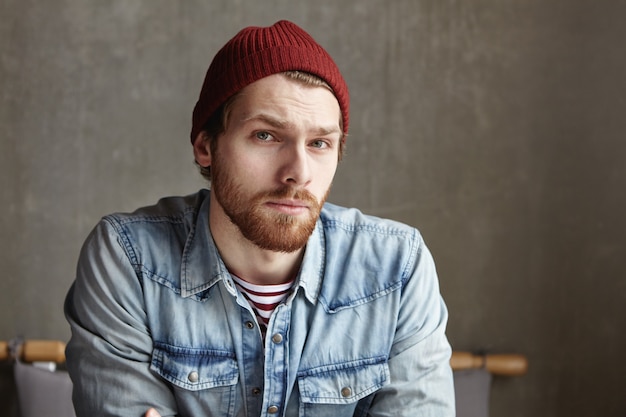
pixel 263 298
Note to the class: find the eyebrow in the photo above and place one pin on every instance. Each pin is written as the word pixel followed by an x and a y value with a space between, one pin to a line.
pixel 283 124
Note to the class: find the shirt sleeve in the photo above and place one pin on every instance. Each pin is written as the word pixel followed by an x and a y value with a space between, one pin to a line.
pixel 109 353
pixel 421 381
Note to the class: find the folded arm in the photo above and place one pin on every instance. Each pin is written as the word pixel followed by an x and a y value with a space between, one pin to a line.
pixel 109 353
pixel 421 381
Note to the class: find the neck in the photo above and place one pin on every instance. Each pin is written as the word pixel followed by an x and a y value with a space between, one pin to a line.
pixel 245 259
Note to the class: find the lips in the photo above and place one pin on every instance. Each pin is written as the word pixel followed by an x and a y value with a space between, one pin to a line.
pixel 291 207
pixel 290 203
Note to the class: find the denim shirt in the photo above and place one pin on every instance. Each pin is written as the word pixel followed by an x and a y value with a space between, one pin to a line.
pixel 157 322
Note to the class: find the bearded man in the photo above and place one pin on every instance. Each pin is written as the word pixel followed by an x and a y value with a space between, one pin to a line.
pixel 258 298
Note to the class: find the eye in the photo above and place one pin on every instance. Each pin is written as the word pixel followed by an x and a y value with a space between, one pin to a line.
pixel 263 136
pixel 320 144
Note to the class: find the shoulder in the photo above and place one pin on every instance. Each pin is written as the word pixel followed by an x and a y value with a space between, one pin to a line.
pixel 151 240
pixel 353 238
pixel 367 257
pixel 355 222
pixel 173 210
pixel 152 229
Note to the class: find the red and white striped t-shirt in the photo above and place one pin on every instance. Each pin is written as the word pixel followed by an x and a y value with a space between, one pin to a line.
pixel 263 298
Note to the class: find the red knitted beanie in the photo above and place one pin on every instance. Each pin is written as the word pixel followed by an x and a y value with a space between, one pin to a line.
pixel 257 52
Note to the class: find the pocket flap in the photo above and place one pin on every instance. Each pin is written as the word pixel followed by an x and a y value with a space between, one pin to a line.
pixel 195 369
pixel 343 383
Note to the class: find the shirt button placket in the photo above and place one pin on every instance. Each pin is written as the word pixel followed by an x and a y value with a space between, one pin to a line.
pixel 253 360
pixel 276 366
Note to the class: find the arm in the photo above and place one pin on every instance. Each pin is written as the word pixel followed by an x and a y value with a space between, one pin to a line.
pixel 108 356
pixel 419 362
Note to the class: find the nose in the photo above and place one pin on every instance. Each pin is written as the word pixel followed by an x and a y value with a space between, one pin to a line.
pixel 295 169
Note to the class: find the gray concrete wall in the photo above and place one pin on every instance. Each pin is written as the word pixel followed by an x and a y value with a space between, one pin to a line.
pixel 496 127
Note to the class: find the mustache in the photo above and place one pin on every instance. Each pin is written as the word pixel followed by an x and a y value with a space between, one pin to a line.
pixel 293 193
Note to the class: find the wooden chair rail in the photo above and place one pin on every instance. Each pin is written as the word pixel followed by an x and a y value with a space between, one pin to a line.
pixel 36 351
pixel 509 364
pixel 497 364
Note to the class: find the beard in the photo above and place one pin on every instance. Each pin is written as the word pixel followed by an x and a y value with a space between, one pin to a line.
pixel 266 228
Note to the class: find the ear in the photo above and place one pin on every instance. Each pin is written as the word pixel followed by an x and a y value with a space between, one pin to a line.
pixel 202 150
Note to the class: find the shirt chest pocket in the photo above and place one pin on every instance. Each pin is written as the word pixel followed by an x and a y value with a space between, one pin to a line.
pixel 195 369
pixel 341 385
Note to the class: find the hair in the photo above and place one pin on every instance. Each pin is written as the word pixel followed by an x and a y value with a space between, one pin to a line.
pixel 218 122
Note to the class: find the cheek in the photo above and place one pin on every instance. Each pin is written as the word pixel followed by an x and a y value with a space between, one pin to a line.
pixel 326 173
pixel 254 169
pixel 241 165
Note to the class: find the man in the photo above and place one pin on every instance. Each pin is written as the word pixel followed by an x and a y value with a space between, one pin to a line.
pixel 256 298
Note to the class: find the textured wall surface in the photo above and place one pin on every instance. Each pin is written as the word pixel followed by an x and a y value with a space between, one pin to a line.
pixel 495 127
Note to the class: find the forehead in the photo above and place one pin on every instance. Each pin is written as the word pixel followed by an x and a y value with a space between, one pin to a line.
pixel 285 97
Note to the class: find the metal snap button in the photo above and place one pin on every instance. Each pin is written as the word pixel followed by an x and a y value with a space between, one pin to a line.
pixel 272 409
pixel 346 392
pixel 193 376
pixel 277 338
pixel 249 325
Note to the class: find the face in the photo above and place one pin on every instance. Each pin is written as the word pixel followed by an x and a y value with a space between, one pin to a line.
pixel 273 166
